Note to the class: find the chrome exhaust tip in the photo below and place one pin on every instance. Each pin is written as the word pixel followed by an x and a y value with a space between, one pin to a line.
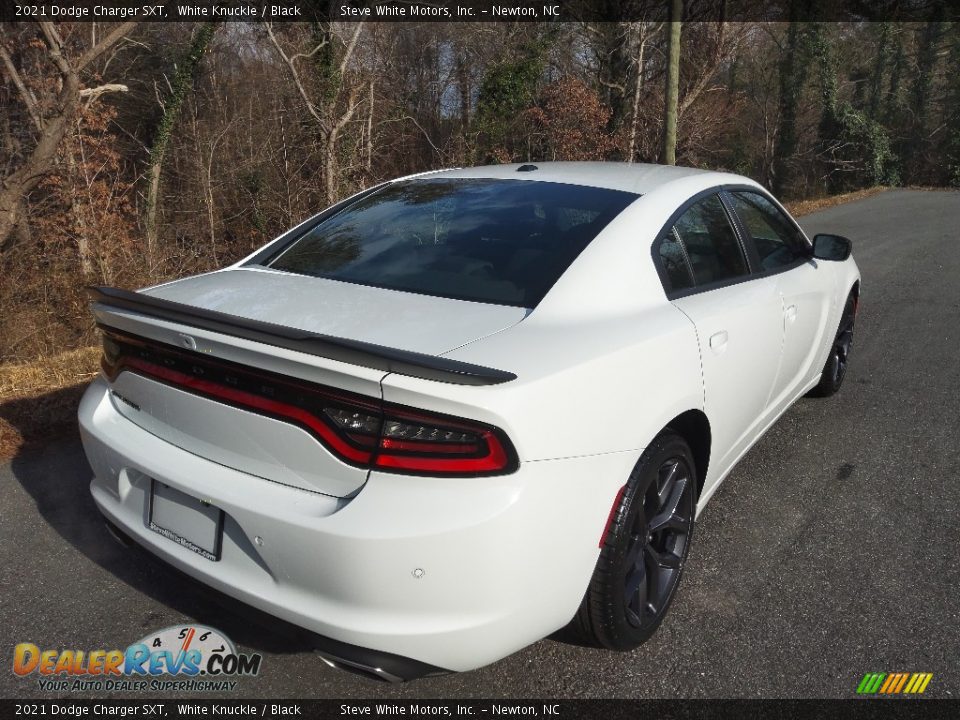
pixel 367 671
pixel 117 534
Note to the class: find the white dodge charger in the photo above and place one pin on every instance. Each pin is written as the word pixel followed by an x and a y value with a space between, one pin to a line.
pixel 463 410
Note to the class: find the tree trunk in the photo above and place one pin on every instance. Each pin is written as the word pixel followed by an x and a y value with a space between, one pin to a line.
pixel 183 81
pixel 17 185
pixel 922 98
pixel 323 108
pixel 828 128
pixel 330 169
pixel 793 75
pixel 893 103
pixel 79 224
pixel 637 86
pixel 672 94
pixel 464 87
pixel 370 131
pixel 879 69
pixel 15 188
pixel 952 145
pixel 615 66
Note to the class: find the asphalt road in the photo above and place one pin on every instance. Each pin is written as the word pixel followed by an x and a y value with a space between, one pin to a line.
pixel 832 550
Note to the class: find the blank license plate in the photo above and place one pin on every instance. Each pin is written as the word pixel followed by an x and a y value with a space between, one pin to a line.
pixel 192 523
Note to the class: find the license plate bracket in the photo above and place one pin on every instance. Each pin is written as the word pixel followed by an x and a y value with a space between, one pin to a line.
pixel 191 523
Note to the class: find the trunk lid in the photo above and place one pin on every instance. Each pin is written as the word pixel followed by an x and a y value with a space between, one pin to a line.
pixel 392 318
pixel 249 441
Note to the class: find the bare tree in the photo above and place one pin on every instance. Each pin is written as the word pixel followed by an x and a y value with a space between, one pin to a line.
pixel 183 80
pixel 329 116
pixel 52 121
pixel 673 85
pixel 641 33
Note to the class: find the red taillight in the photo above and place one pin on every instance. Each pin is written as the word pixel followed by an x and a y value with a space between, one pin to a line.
pixel 427 444
pixel 359 430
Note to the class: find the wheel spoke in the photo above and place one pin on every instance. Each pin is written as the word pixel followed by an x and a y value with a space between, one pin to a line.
pixel 636 591
pixel 663 559
pixel 657 542
pixel 633 553
pixel 658 583
pixel 666 483
pixel 668 517
pixel 636 585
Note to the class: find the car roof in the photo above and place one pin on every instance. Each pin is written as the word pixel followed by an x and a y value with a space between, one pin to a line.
pixel 639 178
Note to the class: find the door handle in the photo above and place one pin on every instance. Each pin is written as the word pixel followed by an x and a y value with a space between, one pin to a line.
pixel 718 342
pixel 790 313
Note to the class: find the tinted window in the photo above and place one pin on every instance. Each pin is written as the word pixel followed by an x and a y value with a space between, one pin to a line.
pixel 710 242
pixel 777 241
pixel 674 259
pixel 496 241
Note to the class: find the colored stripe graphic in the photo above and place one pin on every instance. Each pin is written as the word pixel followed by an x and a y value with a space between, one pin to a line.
pixel 903 679
pixel 871 683
pixel 890 682
pixel 920 684
pixel 894 683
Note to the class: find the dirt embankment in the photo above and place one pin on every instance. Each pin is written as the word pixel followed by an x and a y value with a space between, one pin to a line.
pixel 38 399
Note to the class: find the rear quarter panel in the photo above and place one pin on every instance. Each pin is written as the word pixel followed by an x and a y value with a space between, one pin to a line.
pixel 583 387
pixel 588 398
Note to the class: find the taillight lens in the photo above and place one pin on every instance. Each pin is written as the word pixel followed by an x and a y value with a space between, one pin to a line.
pixel 422 443
pixel 358 430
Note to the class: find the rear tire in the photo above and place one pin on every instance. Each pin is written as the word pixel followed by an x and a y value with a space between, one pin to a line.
pixel 644 551
pixel 835 368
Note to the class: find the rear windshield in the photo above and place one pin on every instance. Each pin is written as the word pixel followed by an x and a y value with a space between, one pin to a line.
pixel 494 241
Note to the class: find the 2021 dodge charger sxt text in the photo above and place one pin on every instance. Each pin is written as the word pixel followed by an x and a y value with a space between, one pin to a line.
pixel 462 410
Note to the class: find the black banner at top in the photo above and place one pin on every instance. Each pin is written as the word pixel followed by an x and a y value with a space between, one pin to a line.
pixel 476 10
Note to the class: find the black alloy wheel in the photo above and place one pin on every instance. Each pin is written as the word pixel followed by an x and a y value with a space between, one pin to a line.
pixel 835 368
pixel 657 547
pixel 644 551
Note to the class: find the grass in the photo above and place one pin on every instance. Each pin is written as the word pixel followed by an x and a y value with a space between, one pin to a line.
pixel 38 399
pixel 48 373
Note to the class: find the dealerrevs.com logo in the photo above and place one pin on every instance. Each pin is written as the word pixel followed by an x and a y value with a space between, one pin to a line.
pixel 182 658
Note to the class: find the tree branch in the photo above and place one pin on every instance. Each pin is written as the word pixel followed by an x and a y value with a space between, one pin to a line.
pixel 94 93
pixel 350 47
pixel 27 96
pixel 307 56
pixel 353 104
pixel 55 46
pixel 111 39
pixel 296 79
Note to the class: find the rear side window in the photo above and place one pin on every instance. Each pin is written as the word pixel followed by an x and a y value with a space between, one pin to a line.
pixel 711 245
pixel 495 241
pixel 777 240
pixel 673 257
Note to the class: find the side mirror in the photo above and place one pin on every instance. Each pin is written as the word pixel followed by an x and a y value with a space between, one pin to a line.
pixel 831 247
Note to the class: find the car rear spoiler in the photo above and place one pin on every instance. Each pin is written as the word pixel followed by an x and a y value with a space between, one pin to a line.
pixel 402 362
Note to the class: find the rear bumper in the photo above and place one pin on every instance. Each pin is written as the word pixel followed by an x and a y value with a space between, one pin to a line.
pixel 451 573
pixel 374 664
